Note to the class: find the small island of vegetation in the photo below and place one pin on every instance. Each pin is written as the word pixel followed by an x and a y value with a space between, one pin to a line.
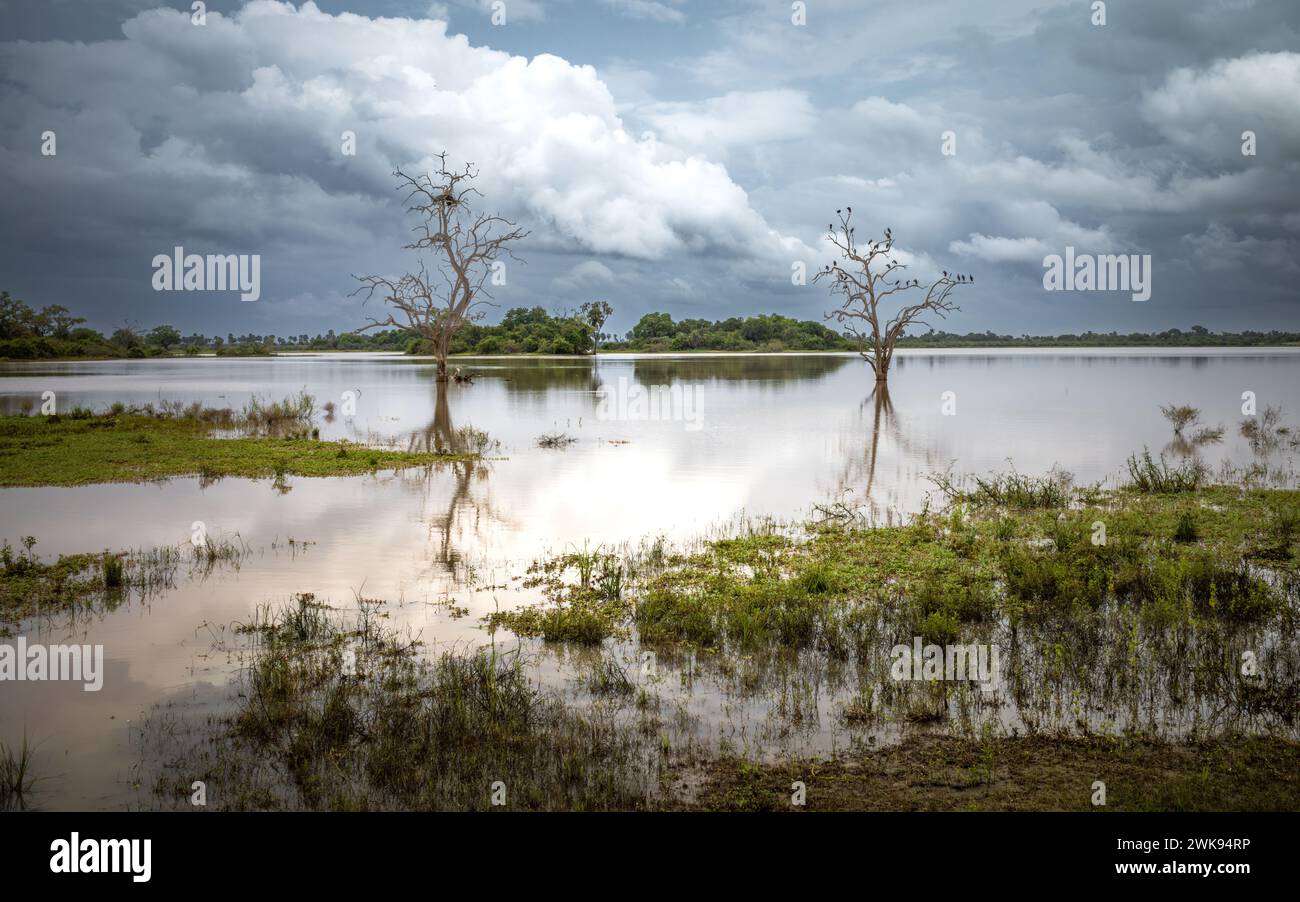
pixel 148 442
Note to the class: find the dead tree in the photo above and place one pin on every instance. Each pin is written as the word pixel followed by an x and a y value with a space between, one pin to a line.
pixel 865 278
pixel 467 247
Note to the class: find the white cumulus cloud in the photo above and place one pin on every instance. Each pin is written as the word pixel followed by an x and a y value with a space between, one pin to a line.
pixel 248 111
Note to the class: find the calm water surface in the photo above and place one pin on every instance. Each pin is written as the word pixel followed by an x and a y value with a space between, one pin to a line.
pixel 773 434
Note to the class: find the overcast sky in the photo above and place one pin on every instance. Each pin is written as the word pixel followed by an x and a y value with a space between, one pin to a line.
pixel 665 154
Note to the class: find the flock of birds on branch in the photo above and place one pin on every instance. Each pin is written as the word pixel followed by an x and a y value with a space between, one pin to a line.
pixel 889 241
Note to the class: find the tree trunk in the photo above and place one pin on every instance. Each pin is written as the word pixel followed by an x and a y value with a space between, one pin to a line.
pixel 441 347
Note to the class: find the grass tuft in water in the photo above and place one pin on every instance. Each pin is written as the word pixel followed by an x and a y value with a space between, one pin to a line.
pixel 349 716
pixel 1011 490
pixel 584 599
pixel 1186 530
pixel 555 440
pixel 112 571
pixel 16 777
pixel 1152 477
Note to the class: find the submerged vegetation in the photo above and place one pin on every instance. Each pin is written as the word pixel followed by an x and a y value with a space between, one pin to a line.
pixel 555 440
pixel 142 443
pixel 345 714
pixel 28 584
pixel 1013 549
pixel 1159 477
pixel 585 604
pixel 1267 432
pixel 17 778
pixel 1118 610
pixel 31 586
pixel 1147 630
pixel 1123 617
pixel 292 417
pixel 355 719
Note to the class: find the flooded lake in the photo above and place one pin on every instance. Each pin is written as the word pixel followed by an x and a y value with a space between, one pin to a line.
pixel 739 437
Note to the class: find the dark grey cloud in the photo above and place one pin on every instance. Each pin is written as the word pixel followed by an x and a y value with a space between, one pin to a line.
pixel 665 155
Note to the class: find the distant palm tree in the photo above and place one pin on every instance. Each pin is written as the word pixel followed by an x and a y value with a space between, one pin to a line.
pixel 594 313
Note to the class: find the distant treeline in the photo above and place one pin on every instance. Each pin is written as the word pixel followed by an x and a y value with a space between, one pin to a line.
pixel 54 332
pixel 51 332
pixel 658 332
pixel 1197 336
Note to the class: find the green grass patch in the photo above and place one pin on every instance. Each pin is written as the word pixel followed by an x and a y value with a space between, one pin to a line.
pixel 130 447
pixel 1221 555
pixel 585 605
pixel 1159 477
pixel 28 584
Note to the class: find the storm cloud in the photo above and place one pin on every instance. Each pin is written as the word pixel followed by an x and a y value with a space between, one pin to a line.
pixel 673 155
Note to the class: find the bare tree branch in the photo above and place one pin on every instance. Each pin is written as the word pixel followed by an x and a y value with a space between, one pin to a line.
pixel 467 245
pixel 867 277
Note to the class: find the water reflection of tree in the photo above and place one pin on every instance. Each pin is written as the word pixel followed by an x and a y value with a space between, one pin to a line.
pixel 531 375
pixel 773 368
pixel 856 466
pixel 882 409
pixel 441 436
pixel 535 377
pixel 860 468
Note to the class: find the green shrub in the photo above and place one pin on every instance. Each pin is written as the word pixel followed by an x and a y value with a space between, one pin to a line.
pixel 112 569
pixel 1186 530
pixel 1161 479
